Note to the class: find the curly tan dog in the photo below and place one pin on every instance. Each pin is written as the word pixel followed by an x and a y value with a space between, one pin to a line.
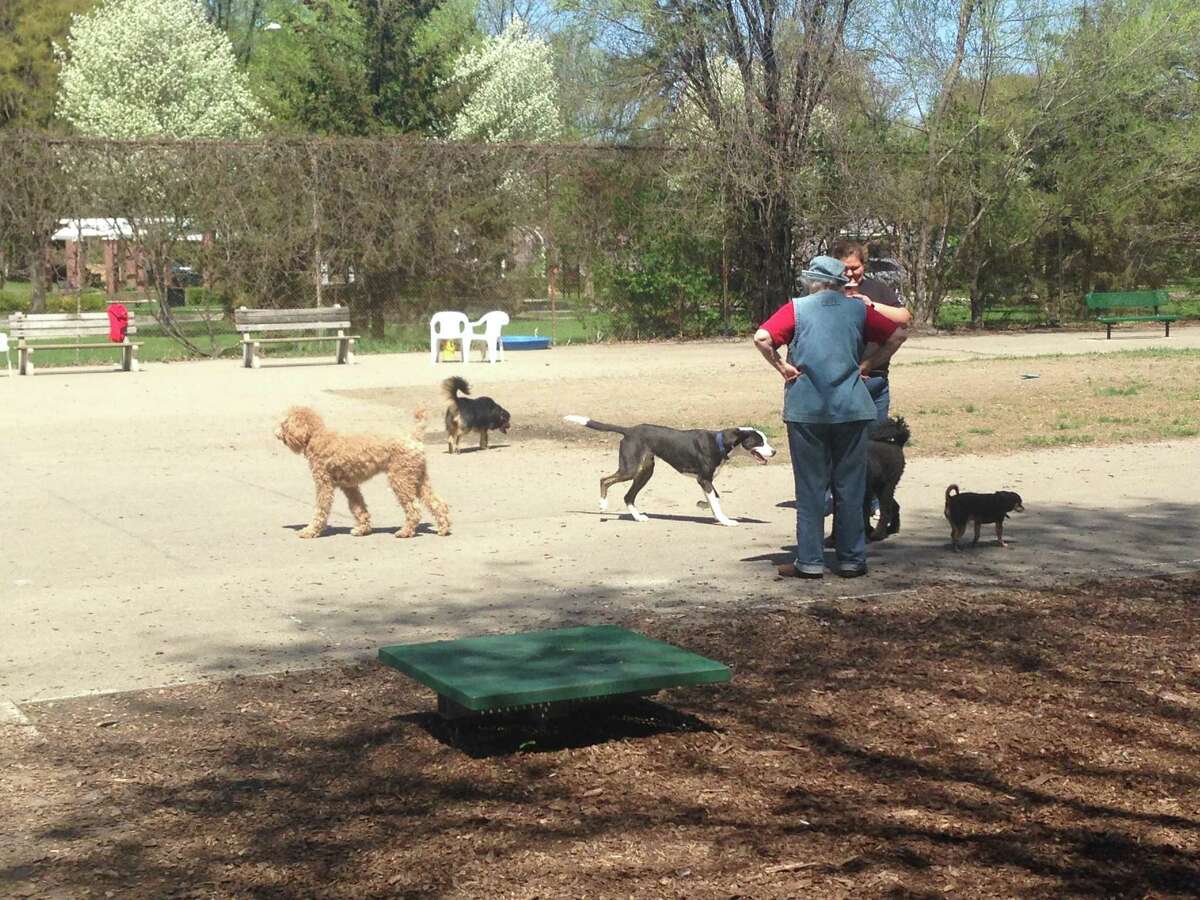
pixel 347 460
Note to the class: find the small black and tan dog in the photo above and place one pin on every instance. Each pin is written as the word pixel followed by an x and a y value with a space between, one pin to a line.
pixel 466 414
pixel 981 509
pixel 885 465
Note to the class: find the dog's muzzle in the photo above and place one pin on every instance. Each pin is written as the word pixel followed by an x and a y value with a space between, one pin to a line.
pixel 761 457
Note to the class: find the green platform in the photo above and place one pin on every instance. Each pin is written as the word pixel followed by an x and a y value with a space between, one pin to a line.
pixel 499 672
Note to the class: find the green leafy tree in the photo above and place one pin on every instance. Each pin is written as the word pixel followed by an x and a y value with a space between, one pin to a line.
pixel 28 71
pixel 1120 161
pixel 358 67
pixel 410 47
pixel 784 55
pixel 309 67
pixel 153 68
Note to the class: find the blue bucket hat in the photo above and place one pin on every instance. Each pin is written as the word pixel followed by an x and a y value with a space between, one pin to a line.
pixel 826 268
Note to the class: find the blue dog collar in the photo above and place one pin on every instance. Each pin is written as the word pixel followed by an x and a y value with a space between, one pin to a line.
pixel 721 442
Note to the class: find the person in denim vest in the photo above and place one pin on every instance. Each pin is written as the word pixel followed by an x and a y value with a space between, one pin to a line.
pixel 827 409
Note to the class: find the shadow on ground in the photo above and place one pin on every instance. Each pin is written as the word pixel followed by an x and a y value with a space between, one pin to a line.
pixel 1045 546
pixel 1014 743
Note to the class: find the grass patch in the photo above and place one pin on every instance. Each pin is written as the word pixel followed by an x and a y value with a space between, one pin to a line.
pixel 1057 440
pixel 1114 398
pixel 958 315
pixel 222 341
pixel 1180 428
pixel 1179 431
pixel 1128 390
pixel 1066 422
pixel 1183 353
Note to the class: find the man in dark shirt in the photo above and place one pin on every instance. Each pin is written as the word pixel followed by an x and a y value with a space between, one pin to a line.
pixel 887 301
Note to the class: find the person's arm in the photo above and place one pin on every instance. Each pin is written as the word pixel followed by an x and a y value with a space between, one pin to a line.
pixel 878 355
pixel 778 331
pixel 766 346
pixel 898 314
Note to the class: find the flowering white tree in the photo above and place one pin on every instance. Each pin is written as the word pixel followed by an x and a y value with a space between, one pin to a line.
pixel 512 93
pixel 153 68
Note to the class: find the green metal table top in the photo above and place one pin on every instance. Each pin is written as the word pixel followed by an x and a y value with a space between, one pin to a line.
pixel 498 671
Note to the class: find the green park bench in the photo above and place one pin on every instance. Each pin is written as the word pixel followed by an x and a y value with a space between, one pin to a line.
pixel 1134 300
pixel 548 670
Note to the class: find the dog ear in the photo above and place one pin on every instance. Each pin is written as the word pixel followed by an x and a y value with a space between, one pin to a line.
pixel 300 425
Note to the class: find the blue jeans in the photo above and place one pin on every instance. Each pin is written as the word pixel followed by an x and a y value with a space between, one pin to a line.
pixel 882 395
pixel 824 455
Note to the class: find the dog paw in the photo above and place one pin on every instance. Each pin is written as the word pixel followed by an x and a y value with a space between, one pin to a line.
pixel 308 533
pixel 729 523
pixel 640 517
pixel 360 530
pixel 406 532
pixel 603 505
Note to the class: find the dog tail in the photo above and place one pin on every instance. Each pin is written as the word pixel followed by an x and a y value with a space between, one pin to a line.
pixel 454 385
pixel 592 423
pixel 893 431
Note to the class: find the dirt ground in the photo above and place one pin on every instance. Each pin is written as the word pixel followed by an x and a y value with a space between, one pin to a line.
pixel 1023 743
pixel 153 539
pixel 189 712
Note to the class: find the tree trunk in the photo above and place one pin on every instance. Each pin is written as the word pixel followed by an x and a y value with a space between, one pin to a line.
pixel 976 296
pixel 37 278
pixel 771 278
pixel 376 319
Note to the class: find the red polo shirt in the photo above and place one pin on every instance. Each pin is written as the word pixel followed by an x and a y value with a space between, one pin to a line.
pixel 782 326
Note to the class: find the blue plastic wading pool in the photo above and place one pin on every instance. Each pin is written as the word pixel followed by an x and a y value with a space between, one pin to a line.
pixel 524 342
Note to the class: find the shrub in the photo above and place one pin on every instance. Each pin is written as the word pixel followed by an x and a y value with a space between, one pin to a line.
pixel 665 289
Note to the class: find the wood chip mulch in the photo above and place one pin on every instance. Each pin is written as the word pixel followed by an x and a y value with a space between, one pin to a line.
pixel 1025 743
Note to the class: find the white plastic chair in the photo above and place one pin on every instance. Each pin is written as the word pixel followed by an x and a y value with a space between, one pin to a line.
pixel 448 326
pixel 4 347
pixel 492 323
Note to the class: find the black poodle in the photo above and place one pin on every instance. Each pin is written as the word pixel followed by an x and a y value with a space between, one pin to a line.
pixel 885 465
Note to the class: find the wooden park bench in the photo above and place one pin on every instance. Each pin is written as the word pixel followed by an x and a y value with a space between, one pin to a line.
pixel 298 322
pixel 57 327
pixel 1132 300
pixel 548 671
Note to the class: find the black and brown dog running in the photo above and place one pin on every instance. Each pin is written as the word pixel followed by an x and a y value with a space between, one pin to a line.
pixel 963 508
pixel 466 414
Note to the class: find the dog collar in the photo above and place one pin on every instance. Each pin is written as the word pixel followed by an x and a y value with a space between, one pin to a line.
pixel 721 442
